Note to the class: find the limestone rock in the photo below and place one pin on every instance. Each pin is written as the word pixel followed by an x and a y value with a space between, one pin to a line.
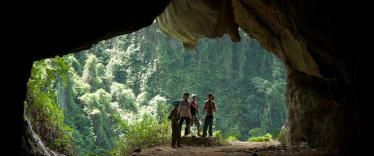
pixel 190 20
pixel 35 144
pixel 200 141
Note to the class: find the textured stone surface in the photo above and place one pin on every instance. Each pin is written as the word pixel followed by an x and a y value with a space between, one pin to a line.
pixel 190 20
pixel 35 145
pixel 316 117
pixel 304 34
pixel 308 35
pixel 199 141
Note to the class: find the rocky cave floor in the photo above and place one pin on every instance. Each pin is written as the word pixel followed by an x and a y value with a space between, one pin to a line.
pixel 235 148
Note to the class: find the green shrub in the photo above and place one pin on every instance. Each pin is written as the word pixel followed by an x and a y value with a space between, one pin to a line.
pixel 274 132
pixel 144 133
pixel 282 138
pixel 232 138
pixel 222 140
pixel 266 137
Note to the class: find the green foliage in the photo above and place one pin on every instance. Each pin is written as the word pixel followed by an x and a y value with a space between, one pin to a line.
pixel 98 97
pixel 259 135
pixel 144 133
pixel 282 138
pixel 218 134
pixel 232 138
pixel 257 132
pixel 266 137
pixel 124 96
pixel 42 108
pixel 90 72
pixel 222 139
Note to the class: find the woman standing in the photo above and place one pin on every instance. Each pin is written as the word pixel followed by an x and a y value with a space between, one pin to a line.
pixel 185 113
pixel 195 113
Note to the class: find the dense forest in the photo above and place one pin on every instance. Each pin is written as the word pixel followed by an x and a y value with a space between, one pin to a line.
pixel 115 96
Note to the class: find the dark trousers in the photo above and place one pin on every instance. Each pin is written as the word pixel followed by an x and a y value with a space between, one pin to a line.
pixel 187 129
pixel 175 134
pixel 208 123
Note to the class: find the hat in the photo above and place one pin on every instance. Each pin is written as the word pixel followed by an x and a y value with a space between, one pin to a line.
pixel 193 95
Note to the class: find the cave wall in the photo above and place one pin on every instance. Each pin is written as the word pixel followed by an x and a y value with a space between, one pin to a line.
pixel 307 35
pixel 46 30
pixel 317 118
pixel 320 99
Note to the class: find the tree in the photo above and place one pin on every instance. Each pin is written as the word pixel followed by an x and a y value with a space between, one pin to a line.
pixel 90 74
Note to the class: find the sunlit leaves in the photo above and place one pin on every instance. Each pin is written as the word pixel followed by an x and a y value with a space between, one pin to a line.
pixel 124 96
pixel 97 100
pixel 145 132
pixel 42 108
pixel 90 74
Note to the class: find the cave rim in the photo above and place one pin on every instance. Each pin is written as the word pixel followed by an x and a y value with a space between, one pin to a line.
pixel 48 49
pixel 190 51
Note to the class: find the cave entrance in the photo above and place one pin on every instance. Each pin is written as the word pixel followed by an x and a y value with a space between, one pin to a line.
pixel 91 101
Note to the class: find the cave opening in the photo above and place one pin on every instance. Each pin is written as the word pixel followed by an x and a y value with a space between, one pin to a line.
pixel 102 99
pixel 323 69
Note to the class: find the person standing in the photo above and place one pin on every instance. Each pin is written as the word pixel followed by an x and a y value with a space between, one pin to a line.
pixel 195 113
pixel 175 133
pixel 185 113
pixel 209 108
